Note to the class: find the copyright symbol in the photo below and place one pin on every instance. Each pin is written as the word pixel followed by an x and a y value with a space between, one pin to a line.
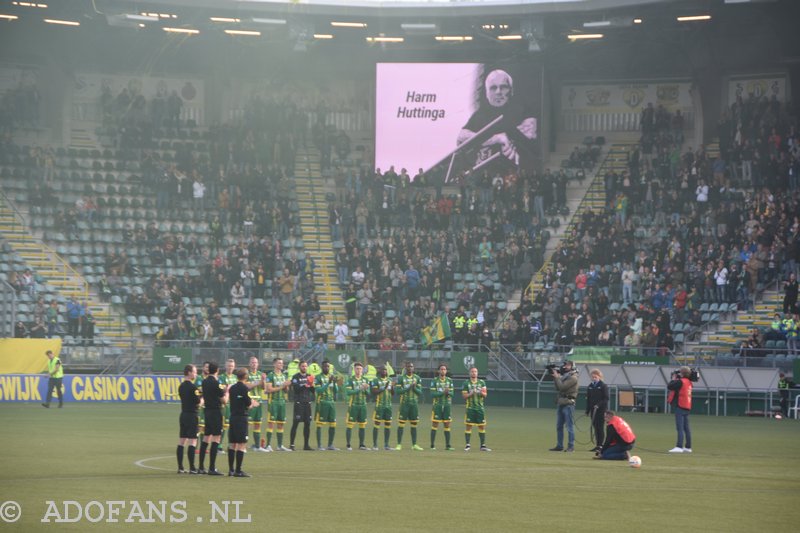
pixel 10 512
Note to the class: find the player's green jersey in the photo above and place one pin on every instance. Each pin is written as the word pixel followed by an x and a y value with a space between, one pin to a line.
pixel 255 377
pixel 438 388
pixel 476 400
pixel 384 387
pixel 326 388
pixel 225 379
pixel 198 382
pixel 355 394
pixel 277 381
pixel 410 388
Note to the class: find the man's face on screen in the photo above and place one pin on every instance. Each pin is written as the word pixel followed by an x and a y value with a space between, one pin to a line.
pixel 498 88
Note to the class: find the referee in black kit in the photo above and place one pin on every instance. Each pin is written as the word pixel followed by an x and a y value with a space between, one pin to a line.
pixel 240 402
pixel 214 397
pixel 190 401
pixel 303 387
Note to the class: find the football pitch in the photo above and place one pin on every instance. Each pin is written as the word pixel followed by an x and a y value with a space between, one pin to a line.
pixel 65 468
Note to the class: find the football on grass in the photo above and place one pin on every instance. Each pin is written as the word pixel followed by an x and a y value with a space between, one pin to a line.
pixel 635 461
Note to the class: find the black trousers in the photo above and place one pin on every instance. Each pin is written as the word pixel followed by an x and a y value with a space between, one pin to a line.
pixel 51 384
pixel 302 413
pixel 598 424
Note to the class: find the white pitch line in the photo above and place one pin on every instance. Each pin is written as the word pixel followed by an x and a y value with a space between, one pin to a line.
pixel 527 484
pixel 141 462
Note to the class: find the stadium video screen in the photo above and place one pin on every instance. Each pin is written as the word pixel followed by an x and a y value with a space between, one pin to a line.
pixel 455 119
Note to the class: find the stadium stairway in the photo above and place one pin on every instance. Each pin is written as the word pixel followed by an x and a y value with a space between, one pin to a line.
pixel 581 197
pixel 725 331
pixel 82 136
pixel 312 190
pixel 54 272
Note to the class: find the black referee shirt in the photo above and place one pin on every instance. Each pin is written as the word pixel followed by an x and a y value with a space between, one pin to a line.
pixel 239 398
pixel 190 397
pixel 213 393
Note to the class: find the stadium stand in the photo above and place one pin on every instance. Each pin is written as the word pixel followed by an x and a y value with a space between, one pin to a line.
pixel 252 228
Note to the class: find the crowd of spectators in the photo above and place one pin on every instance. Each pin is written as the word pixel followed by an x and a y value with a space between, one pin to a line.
pixel 677 232
pixel 680 229
pixel 410 248
pixel 19 107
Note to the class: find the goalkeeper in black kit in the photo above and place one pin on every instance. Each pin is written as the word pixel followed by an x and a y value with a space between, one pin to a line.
pixel 303 388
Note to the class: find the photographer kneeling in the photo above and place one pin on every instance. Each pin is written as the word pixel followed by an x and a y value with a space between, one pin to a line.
pixel 619 438
pixel 566 383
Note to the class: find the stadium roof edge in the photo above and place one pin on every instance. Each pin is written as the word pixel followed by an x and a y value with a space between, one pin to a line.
pixel 416 8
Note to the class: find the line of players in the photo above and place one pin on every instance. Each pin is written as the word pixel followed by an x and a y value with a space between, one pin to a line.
pixel 239 392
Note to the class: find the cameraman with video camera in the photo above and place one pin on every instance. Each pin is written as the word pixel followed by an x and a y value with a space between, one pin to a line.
pixel 680 398
pixel 565 380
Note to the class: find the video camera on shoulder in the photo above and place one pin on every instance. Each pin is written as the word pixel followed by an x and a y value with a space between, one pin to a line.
pixel 694 375
pixel 562 369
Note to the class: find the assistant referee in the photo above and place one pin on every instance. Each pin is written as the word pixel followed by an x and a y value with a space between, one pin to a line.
pixel 190 401
pixel 56 373
pixel 240 402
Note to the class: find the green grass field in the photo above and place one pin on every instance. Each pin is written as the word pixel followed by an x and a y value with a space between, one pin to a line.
pixel 743 476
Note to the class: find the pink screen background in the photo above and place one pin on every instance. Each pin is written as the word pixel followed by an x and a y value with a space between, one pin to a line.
pixel 414 143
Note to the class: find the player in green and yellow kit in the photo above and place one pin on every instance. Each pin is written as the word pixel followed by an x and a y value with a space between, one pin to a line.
pixel 325 411
pixel 357 389
pixel 442 394
pixel 201 413
pixel 474 392
pixel 227 379
pixel 383 389
pixel 255 383
pixel 278 384
pixel 410 387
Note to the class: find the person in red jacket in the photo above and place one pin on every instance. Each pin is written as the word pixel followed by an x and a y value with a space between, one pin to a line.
pixel 680 397
pixel 619 438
